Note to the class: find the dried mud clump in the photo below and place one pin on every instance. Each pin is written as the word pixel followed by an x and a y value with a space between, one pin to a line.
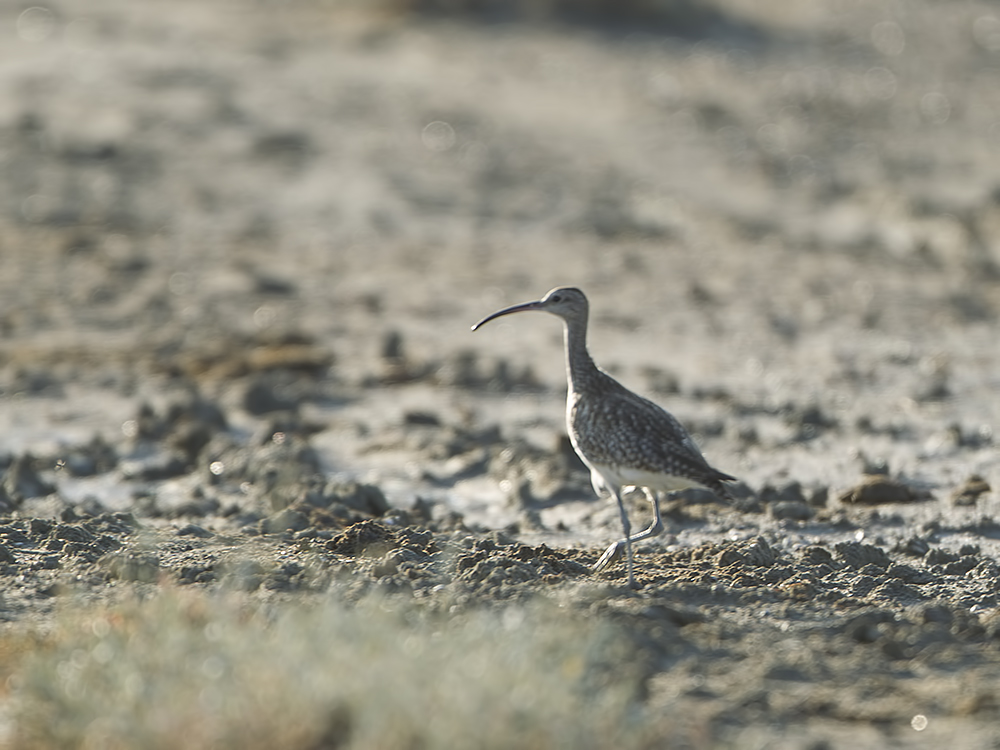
pixel 466 368
pixel 236 357
pixel 164 443
pixel 132 566
pixel 879 489
pixel 498 565
pixel 90 459
pixel 373 539
pixel 424 562
pixel 39 550
pixel 320 506
pixel 21 480
pixel 536 476
pixel 757 553
pixel 858 555
pixel 970 491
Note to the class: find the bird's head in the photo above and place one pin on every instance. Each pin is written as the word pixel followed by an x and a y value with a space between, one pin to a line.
pixel 568 302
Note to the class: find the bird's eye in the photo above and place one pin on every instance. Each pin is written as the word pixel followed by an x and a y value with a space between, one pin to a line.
pixel 556 298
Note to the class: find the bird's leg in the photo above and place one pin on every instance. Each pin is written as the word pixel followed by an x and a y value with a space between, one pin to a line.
pixel 656 527
pixel 613 552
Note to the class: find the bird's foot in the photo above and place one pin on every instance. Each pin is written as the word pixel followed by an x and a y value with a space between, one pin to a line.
pixel 611 555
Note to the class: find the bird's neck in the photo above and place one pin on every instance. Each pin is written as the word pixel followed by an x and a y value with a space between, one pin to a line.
pixel 579 366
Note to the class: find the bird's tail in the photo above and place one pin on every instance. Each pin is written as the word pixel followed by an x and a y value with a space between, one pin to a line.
pixel 718 486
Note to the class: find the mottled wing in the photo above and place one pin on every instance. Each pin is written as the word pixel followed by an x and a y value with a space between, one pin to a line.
pixel 619 428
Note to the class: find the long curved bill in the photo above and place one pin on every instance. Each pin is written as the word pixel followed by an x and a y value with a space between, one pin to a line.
pixel 524 306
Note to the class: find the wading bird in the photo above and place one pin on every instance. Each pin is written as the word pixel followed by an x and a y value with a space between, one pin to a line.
pixel 624 439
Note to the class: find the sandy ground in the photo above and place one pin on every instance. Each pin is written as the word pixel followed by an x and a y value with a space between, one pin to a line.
pixel 241 246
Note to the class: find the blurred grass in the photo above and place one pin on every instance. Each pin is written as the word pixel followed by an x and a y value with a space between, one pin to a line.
pixel 196 670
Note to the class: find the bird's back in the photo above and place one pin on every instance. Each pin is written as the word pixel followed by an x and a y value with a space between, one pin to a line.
pixel 613 427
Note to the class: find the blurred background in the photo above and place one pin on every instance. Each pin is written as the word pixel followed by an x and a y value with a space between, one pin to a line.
pixel 241 247
pixel 766 203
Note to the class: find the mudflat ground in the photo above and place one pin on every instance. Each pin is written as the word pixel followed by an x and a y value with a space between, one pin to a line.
pixel 260 480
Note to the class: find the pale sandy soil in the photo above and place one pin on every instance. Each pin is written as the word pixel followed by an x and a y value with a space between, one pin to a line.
pixel 268 218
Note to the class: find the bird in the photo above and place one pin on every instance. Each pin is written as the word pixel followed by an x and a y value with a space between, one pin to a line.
pixel 624 439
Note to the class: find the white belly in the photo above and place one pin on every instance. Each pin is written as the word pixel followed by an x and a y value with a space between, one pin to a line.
pixel 617 476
